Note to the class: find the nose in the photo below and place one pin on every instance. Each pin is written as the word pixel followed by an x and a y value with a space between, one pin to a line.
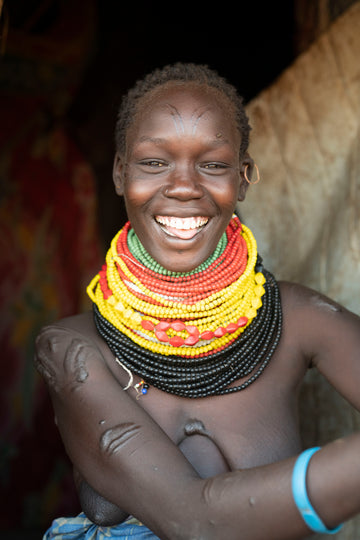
pixel 184 184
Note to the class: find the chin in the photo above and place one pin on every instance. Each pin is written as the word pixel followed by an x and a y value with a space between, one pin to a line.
pixel 181 265
pixel 182 261
pixel 177 254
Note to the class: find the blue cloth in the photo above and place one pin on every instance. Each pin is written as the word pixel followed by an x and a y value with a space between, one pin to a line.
pixel 81 528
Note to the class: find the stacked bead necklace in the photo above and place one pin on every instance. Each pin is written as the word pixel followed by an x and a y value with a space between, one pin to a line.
pixel 191 334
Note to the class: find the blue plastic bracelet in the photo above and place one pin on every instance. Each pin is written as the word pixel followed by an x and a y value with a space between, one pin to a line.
pixel 300 495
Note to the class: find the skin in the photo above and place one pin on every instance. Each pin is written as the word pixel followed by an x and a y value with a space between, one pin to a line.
pixel 205 468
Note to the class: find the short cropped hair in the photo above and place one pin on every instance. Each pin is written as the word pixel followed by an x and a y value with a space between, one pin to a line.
pixel 186 73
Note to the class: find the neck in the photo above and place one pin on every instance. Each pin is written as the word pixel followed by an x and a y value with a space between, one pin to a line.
pixel 142 256
pixel 199 316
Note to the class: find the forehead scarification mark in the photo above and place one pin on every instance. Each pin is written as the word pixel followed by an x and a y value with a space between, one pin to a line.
pixel 118 437
pixel 60 362
pixel 196 119
pixel 177 119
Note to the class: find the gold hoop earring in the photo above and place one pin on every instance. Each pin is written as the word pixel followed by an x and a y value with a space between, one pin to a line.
pixel 257 174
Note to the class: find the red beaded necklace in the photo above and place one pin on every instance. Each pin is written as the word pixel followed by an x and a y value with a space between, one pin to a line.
pixel 191 314
pixel 197 286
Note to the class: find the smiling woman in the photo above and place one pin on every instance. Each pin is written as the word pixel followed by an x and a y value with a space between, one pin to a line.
pixel 182 155
pixel 177 398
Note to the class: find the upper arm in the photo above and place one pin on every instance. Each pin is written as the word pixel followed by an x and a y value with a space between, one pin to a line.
pixel 117 447
pixel 329 335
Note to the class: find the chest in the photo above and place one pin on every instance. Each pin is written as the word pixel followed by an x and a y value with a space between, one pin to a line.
pixel 252 427
pixel 248 428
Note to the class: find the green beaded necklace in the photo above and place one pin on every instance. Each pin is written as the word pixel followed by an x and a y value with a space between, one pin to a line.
pixel 143 257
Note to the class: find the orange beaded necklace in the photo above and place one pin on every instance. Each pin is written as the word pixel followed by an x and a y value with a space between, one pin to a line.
pixel 189 315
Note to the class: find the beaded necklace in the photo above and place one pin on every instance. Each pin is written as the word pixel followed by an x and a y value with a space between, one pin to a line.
pixel 191 334
pixel 140 253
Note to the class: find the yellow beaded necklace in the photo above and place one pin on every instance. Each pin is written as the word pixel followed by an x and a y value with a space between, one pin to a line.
pixel 175 325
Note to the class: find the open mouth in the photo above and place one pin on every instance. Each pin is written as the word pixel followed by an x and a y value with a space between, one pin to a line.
pixel 184 228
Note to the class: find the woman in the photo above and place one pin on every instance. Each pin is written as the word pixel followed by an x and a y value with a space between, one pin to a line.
pixel 176 399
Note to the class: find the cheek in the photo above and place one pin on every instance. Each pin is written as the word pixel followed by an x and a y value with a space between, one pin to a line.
pixel 136 194
pixel 139 188
pixel 226 196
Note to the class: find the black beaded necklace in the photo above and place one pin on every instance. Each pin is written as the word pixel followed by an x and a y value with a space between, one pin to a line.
pixel 245 358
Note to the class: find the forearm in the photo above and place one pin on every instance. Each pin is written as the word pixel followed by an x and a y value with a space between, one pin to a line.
pixel 334 480
pixel 126 457
pixel 258 502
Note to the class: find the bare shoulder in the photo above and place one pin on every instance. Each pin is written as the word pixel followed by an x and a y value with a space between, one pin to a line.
pixel 81 324
pixel 62 350
pixel 318 322
pixel 305 305
pixel 296 297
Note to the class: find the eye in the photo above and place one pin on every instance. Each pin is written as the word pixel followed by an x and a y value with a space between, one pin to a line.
pixel 153 163
pixel 152 166
pixel 215 167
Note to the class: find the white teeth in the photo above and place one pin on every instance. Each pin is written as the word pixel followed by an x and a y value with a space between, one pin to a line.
pixel 182 223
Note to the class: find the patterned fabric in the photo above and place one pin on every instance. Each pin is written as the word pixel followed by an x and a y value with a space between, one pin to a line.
pixel 81 528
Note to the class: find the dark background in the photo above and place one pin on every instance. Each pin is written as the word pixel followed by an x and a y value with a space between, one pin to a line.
pixel 249 43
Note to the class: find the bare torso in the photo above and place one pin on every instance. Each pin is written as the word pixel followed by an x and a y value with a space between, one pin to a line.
pixel 252 427
pixel 113 438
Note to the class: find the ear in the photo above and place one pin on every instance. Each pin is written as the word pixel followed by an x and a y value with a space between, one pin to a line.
pixel 119 174
pixel 246 172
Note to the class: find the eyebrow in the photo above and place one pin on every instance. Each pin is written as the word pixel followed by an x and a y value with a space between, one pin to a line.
pixel 160 140
pixel 156 140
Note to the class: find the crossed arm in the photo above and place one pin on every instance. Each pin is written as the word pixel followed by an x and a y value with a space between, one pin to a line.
pixel 128 460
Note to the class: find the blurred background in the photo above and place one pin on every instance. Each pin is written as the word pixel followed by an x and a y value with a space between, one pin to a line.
pixel 64 66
